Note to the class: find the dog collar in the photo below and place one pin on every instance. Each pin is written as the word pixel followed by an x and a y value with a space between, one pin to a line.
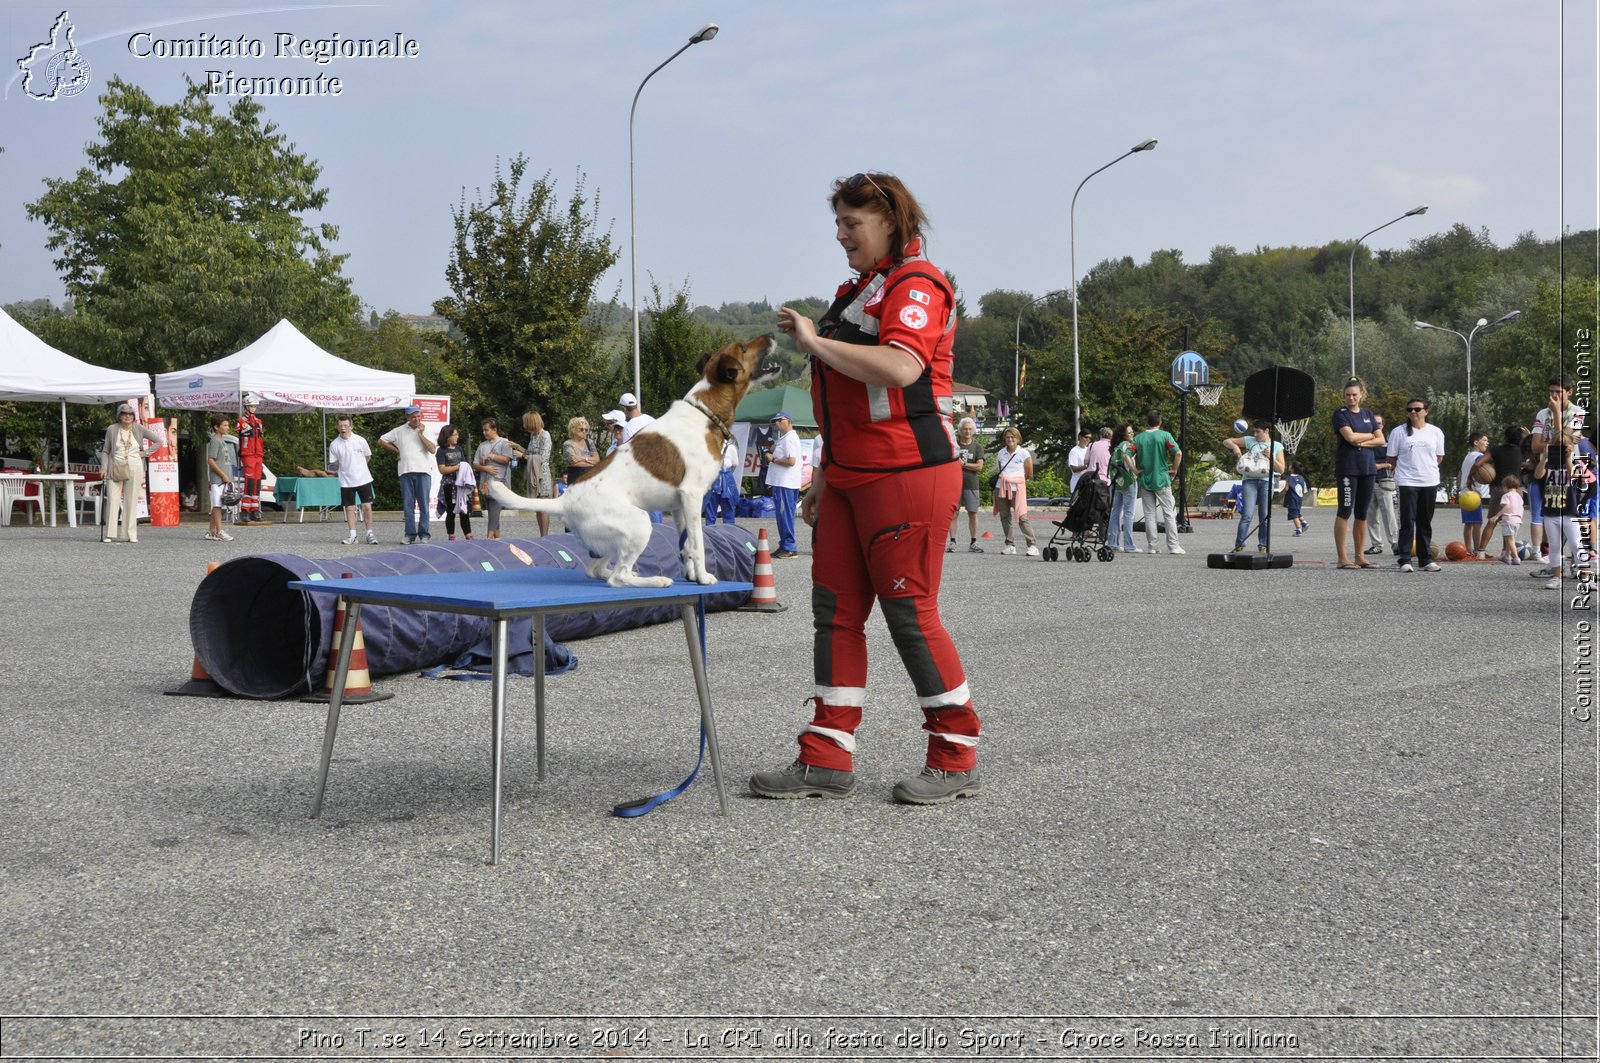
pixel 722 426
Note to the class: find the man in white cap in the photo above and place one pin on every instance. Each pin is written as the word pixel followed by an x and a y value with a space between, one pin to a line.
pixel 416 449
pixel 253 458
pixel 636 418
pixel 784 476
pixel 615 421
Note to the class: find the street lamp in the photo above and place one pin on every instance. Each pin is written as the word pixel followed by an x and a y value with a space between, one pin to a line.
pixel 1016 360
pixel 705 33
pixel 1483 325
pixel 1072 229
pixel 1414 210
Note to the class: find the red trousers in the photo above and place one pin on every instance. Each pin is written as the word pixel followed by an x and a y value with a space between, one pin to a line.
pixel 884 541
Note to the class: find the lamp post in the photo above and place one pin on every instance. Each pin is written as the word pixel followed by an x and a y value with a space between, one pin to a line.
pixel 705 33
pixel 1414 210
pixel 1016 360
pixel 1483 325
pixel 1072 229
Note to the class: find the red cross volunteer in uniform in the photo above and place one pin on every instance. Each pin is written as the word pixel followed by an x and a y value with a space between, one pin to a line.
pixel 882 497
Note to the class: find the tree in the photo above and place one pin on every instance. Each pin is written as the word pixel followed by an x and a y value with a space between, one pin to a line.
pixel 184 239
pixel 1127 371
pixel 671 340
pixel 522 274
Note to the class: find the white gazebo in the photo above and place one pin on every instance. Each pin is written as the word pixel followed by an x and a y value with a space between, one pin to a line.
pixel 33 371
pixel 290 374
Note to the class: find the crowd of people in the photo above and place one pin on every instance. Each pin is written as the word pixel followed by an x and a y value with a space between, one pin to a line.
pixel 1553 462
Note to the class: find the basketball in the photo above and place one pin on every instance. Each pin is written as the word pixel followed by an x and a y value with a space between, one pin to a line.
pixel 1525 552
pixel 1456 551
pixel 1438 551
pixel 1483 472
pixel 1469 500
pixel 1241 426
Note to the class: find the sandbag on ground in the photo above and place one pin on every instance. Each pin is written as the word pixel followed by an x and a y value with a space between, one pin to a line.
pixel 259 639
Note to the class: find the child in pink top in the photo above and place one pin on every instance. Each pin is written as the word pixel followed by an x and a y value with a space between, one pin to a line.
pixel 1509 517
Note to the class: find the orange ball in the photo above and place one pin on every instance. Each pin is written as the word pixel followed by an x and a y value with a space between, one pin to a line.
pixel 1456 551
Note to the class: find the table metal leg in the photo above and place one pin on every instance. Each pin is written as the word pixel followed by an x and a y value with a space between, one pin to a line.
pixel 498 724
pixel 538 691
pixel 347 643
pixel 702 687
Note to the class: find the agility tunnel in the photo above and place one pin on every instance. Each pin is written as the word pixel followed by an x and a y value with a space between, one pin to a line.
pixel 259 639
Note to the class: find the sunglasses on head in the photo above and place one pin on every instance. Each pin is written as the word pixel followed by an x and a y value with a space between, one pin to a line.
pixel 854 183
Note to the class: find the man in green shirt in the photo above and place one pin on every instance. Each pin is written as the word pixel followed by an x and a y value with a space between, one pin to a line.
pixel 1158 457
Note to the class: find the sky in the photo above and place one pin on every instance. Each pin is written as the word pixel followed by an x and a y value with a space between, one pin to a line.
pixel 1280 122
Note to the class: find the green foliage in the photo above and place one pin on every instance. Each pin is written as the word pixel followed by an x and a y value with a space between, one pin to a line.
pixel 672 340
pixel 183 240
pixel 1048 482
pixel 522 274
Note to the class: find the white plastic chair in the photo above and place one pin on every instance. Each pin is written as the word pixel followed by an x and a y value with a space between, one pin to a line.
pixel 91 498
pixel 14 490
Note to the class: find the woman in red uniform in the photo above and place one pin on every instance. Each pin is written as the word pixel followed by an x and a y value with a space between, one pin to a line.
pixel 882 497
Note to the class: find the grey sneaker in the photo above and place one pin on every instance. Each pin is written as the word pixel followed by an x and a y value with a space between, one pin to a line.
pixel 974 548
pixel 935 787
pixel 803 780
pixel 349 540
pixel 1176 550
pixel 372 537
pixel 950 548
pixel 1543 573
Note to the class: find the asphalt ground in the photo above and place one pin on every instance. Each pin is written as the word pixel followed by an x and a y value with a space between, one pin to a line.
pixel 1303 812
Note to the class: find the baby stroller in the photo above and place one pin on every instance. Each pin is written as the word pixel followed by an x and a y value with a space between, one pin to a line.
pixel 1083 532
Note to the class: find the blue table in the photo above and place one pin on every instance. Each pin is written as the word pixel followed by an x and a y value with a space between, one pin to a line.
pixel 500 596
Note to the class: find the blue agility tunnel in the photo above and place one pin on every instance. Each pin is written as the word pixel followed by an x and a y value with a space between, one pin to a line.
pixel 259 639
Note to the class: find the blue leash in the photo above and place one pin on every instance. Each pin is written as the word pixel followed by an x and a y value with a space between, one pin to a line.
pixel 645 805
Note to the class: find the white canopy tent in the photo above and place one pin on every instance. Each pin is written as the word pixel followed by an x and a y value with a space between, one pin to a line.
pixel 33 371
pixel 290 374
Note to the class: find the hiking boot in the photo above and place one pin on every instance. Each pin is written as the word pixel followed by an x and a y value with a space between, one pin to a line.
pixel 935 787
pixel 803 780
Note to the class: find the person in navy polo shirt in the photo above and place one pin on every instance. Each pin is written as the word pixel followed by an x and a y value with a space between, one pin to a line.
pixel 1357 440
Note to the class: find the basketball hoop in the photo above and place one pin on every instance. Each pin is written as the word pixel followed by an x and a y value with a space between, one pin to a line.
pixel 1208 394
pixel 1293 432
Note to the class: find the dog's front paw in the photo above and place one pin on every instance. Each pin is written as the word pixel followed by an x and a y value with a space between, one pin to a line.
pixel 705 579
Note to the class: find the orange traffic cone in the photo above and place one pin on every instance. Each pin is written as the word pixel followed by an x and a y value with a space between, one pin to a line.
pixel 764 599
pixel 358 688
pixel 200 684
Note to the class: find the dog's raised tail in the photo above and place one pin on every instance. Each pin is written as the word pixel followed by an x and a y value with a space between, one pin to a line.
pixel 511 500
